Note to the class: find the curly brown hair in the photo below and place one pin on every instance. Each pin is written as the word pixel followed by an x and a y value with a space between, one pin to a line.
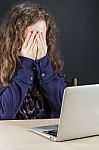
pixel 12 37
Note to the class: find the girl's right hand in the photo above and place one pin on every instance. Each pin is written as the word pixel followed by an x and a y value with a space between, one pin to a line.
pixel 29 48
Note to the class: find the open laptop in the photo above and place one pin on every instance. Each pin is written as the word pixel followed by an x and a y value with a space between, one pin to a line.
pixel 79 115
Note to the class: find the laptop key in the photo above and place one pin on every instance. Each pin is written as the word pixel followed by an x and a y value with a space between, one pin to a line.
pixel 51 132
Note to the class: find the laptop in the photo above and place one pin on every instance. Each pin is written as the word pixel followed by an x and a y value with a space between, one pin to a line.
pixel 79 115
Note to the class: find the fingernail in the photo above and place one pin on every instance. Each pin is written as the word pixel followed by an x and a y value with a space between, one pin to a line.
pixel 39 32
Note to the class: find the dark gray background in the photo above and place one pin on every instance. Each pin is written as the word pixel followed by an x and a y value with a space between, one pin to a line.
pixel 78 21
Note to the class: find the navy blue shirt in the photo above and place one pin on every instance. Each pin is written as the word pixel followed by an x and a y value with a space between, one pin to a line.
pixel 26 76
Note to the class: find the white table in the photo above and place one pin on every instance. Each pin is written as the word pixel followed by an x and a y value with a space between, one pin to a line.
pixel 15 135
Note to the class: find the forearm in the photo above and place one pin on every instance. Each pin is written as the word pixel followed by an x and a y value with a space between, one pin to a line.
pixel 53 90
pixel 52 85
pixel 12 97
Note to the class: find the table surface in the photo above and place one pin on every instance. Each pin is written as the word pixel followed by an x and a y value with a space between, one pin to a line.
pixel 15 135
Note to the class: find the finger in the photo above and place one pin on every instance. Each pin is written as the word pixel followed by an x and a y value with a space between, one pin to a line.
pixel 41 39
pixel 31 40
pixel 44 37
pixel 41 43
pixel 33 45
pixel 41 52
pixel 26 40
pixel 36 54
pixel 34 50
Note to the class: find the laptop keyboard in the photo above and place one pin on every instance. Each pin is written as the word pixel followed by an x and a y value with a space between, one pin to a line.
pixel 52 132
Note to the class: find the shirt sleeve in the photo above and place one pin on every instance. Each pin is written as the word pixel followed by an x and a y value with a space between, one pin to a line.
pixel 12 97
pixel 52 85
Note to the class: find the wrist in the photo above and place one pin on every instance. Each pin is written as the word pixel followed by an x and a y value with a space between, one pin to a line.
pixel 26 62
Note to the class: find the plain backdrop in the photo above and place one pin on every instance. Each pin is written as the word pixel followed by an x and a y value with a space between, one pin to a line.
pixel 78 37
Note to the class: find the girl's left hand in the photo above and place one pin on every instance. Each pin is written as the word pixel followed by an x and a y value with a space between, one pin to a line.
pixel 41 46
